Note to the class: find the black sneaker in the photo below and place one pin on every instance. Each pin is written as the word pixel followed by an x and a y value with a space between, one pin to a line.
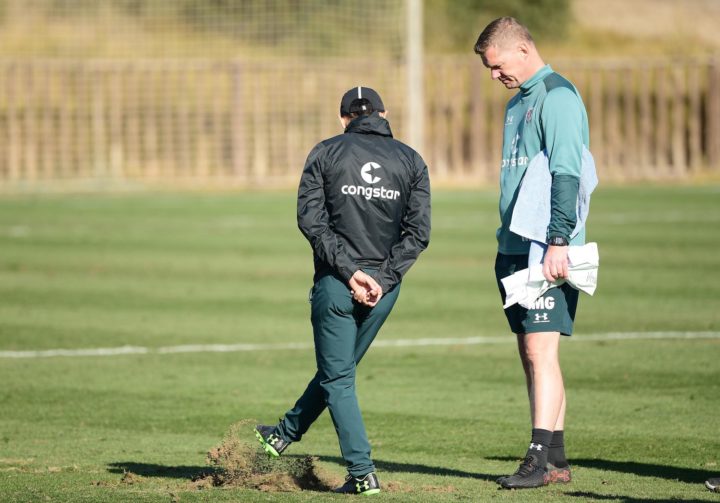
pixel 528 475
pixel 713 484
pixel 273 444
pixel 367 485
pixel 556 475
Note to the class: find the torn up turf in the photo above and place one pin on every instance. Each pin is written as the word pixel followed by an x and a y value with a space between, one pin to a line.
pixel 239 463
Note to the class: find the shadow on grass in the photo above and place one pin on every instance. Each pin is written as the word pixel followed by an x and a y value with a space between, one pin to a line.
pixel 589 496
pixel 193 472
pixel 392 466
pixel 689 475
pixel 153 470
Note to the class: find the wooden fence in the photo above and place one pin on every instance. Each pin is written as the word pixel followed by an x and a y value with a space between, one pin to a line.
pixel 648 120
pixel 253 123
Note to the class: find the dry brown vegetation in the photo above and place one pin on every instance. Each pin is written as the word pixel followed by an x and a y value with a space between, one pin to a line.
pixel 641 28
pixel 236 462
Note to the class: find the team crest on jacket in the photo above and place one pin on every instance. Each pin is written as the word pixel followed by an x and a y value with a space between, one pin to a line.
pixel 528 115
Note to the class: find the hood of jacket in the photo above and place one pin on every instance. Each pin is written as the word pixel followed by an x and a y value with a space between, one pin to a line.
pixel 370 124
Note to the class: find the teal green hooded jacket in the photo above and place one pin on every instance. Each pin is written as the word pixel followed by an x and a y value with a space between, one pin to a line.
pixel 546 114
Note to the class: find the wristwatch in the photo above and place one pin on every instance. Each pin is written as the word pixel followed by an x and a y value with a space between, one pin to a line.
pixel 557 241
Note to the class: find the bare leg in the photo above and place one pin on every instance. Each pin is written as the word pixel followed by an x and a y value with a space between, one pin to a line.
pixel 560 423
pixel 539 353
pixel 546 395
pixel 528 376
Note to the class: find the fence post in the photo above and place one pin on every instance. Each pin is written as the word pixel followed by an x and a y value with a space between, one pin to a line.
pixel 238 121
pixel 67 91
pixel 260 128
pixel 47 135
pixel 83 131
pixel 679 156
pixel 184 135
pixel 117 105
pixel 168 140
pixel 713 115
pixel 440 124
pixel 613 141
pixel 151 135
pixel 694 118
pixel 98 122
pixel 14 150
pixel 478 161
pixel 456 105
pixel 629 141
pixel 134 160
pixel 201 169
pixel 646 124
pixel 31 129
pixel 662 129
pixel 498 99
pixel 596 120
pixel 221 127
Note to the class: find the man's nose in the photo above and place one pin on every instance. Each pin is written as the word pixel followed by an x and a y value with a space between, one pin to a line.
pixel 494 74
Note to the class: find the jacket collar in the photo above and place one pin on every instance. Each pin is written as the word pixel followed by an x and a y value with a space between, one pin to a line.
pixel 528 86
pixel 370 124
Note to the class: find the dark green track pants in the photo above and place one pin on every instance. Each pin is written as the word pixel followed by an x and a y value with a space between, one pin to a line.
pixel 343 331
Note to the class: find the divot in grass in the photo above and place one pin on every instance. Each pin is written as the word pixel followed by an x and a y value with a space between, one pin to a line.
pixel 240 463
pixel 130 478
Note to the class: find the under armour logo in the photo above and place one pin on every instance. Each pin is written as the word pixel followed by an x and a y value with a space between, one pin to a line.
pixel 541 317
pixel 362 487
pixel 537 447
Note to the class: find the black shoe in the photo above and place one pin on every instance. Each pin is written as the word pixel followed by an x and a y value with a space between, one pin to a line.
pixel 713 484
pixel 273 444
pixel 528 475
pixel 555 475
pixel 367 485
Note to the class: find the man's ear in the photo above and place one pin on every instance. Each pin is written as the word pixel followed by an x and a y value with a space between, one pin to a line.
pixel 344 121
pixel 383 114
pixel 524 49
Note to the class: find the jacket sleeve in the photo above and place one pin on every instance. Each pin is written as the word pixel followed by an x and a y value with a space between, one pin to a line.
pixel 415 231
pixel 562 128
pixel 314 221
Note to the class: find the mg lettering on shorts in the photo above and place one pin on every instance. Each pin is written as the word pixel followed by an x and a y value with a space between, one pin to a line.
pixel 544 303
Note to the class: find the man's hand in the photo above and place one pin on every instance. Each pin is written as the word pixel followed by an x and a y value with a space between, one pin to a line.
pixel 555 265
pixel 359 293
pixel 365 289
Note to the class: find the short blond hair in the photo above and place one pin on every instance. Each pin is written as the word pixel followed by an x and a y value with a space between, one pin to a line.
pixel 502 32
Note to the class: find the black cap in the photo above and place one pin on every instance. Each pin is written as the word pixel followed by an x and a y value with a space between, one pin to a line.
pixel 357 100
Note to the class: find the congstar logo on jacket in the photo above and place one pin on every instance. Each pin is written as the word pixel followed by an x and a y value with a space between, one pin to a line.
pixel 368 173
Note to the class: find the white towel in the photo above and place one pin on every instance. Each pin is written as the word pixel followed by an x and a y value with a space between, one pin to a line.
pixel 526 286
pixel 531 213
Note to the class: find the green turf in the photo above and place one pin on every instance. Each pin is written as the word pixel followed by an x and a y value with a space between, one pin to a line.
pixel 167 269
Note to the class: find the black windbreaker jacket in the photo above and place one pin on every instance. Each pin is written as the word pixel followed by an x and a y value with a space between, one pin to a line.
pixel 364 201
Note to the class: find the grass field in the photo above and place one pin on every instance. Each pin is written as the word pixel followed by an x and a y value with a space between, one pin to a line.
pixel 159 270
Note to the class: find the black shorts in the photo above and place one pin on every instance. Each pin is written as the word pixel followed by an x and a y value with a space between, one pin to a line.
pixel 553 312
